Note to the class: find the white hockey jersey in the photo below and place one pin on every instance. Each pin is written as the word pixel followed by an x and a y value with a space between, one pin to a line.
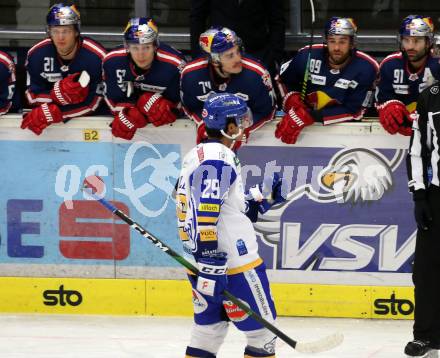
pixel 211 208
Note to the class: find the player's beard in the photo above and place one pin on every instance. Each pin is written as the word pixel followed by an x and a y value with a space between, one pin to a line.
pixel 419 56
pixel 340 60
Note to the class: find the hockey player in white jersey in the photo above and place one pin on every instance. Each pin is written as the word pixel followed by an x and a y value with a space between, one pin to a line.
pixel 214 221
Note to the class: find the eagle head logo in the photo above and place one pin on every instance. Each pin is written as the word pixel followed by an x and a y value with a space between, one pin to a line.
pixel 357 175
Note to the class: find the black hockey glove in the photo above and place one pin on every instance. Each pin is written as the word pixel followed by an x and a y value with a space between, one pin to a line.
pixel 422 212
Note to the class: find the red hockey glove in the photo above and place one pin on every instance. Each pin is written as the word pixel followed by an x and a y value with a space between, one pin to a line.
pixel 406 128
pixel 292 124
pixel 158 109
pixel 69 90
pixel 41 117
pixel 292 99
pixel 201 133
pixel 126 122
pixel 393 115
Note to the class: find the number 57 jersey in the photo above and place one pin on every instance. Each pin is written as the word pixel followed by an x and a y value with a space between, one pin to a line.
pixel 211 208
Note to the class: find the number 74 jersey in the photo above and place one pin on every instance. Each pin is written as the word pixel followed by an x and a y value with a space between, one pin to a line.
pixel 398 82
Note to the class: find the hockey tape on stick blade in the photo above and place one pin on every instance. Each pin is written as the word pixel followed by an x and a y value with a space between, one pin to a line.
pixel 94 183
pixel 325 344
pixel 267 189
pixel 130 88
pixel 317 346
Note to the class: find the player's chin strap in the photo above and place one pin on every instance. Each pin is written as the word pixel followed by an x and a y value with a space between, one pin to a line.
pixel 219 69
pixel 234 137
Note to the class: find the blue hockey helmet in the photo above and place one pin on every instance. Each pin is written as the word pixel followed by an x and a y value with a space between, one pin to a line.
pixel 220 107
pixel 141 30
pixel 217 40
pixel 61 15
pixel 340 26
pixel 416 25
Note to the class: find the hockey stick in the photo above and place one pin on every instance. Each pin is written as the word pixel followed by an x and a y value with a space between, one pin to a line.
pixel 321 345
pixel 307 70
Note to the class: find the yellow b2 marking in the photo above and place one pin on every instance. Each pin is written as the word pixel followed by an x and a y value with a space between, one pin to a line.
pixel 91 135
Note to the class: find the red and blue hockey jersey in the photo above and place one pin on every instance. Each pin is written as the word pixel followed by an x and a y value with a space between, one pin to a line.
pixel 339 95
pixel 7 82
pixel 44 68
pixel 253 84
pixel 120 74
pixel 397 82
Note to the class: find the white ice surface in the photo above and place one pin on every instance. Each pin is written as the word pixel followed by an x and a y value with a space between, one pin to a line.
pixel 48 336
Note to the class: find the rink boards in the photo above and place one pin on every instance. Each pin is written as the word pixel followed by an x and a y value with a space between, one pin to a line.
pixel 342 246
pixel 173 298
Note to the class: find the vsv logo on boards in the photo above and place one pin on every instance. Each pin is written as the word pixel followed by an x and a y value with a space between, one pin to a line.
pixel 349 213
pixel 393 305
pixel 62 297
pixel 349 247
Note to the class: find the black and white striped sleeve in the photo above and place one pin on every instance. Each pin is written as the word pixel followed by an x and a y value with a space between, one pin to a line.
pixel 417 160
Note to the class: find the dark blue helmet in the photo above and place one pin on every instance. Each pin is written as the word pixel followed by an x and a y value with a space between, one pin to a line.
pixel 220 107
pixel 141 30
pixel 217 40
pixel 61 15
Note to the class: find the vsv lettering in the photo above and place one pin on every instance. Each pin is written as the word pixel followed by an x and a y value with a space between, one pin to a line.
pixel 357 246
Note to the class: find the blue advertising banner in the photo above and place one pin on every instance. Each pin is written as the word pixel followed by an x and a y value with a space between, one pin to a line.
pixel 47 219
pixel 348 218
pixel 348 209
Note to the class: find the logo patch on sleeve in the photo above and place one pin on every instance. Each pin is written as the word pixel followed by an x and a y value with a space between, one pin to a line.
pixel 208 235
pixel 201 154
pixel 235 313
pixel 199 302
pixel 206 286
pixel 212 208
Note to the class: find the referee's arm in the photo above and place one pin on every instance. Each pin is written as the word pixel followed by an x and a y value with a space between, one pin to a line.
pixel 418 157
